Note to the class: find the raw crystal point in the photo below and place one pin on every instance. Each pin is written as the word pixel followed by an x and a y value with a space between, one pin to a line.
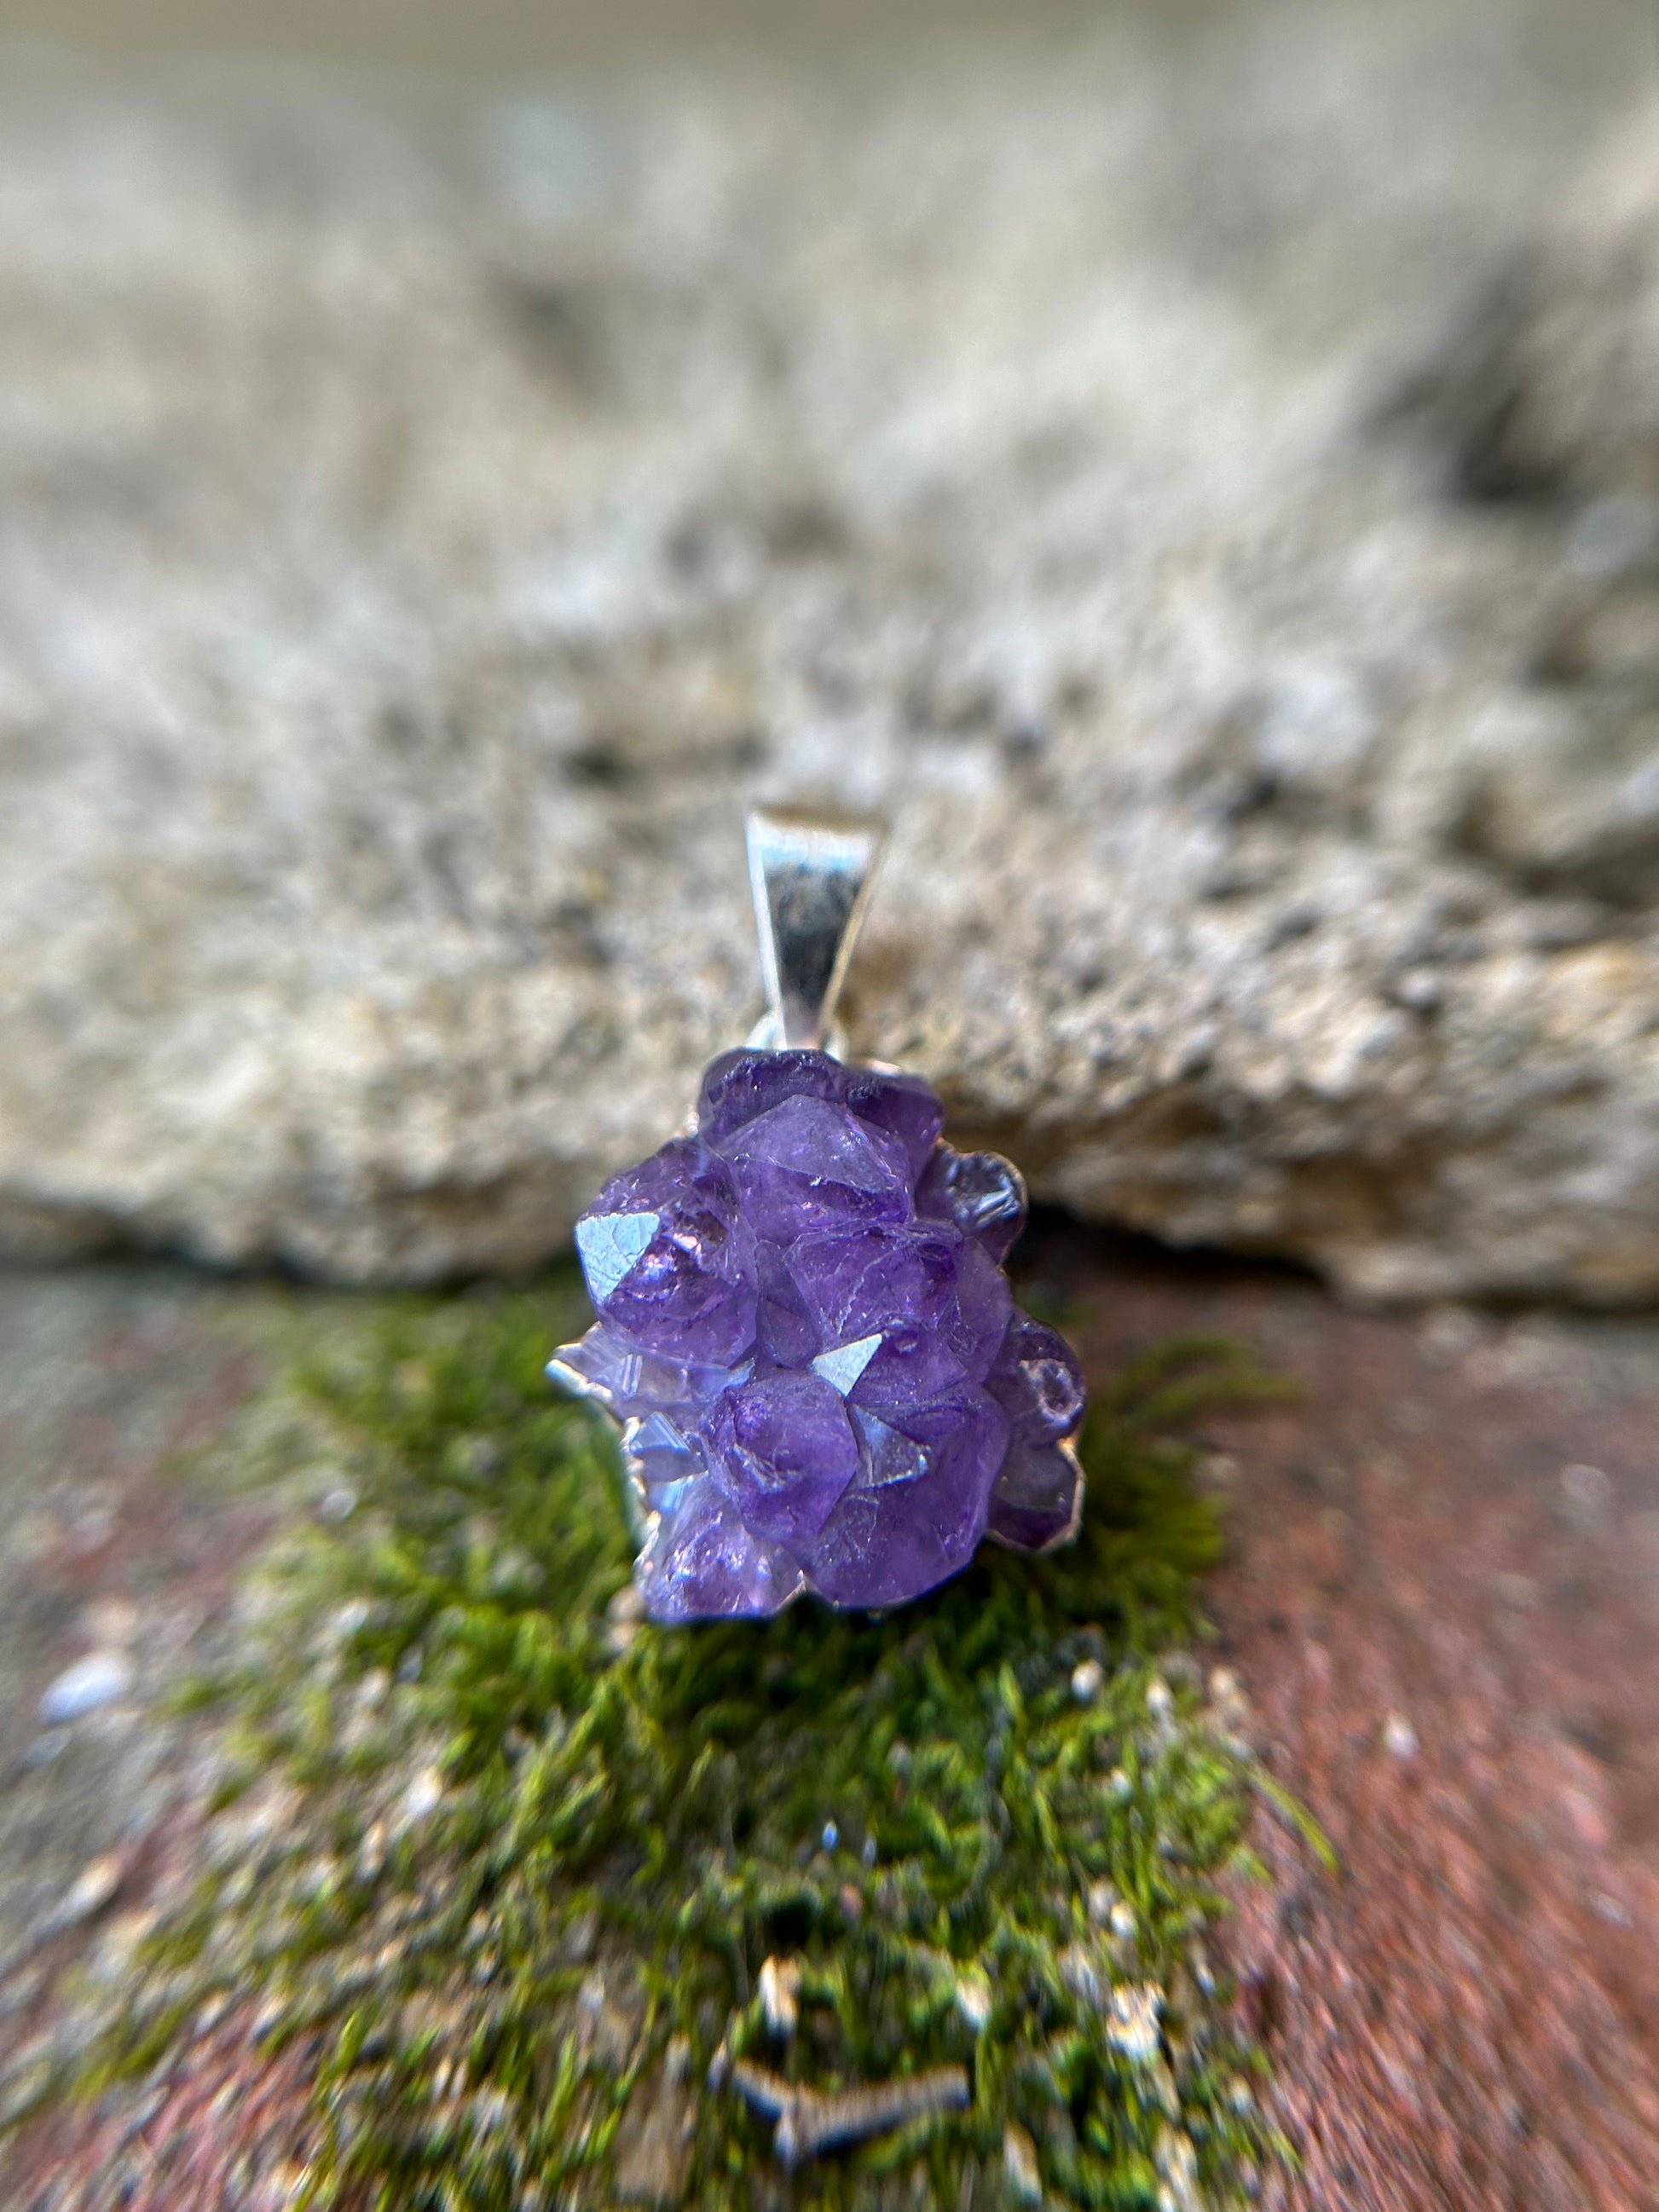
pixel 1037 1379
pixel 782 1450
pixel 804 1327
pixel 983 1194
pixel 1038 1497
pixel 918 1511
pixel 664 1250
pixel 938 1306
pixel 807 1164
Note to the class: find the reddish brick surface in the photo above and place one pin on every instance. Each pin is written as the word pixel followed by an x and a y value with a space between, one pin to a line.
pixel 1443 1601
pixel 231 2128
pixel 109 1378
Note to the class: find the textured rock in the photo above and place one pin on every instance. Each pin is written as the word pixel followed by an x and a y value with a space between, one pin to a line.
pixel 419 535
pixel 1562 381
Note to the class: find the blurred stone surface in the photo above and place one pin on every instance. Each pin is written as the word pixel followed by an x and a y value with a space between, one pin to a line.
pixel 1564 390
pixel 423 526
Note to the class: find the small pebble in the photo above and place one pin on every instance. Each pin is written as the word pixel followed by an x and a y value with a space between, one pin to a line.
pixel 280 2188
pixel 1399 1737
pixel 98 1679
pixel 1019 2165
pixel 830 1837
pixel 1088 1680
pixel 92 1890
pixel 1586 1494
pixel 974 1998
pixel 852 1903
pixel 338 1504
pixel 1160 1699
pixel 423 1796
pixel 1119 1784
pixel 1178 2165
pixel 1612 535
pixel 1081 1975
pixel 1449 1332
pixel 1420 990
pixel 372 1691
pixel 1121 1920
pixel 89 1532
pixel 110 1622
pixel 624 1617
pixel 780 1990
pixel 210 2012
pixel 1132 2022
pixel 1101 1898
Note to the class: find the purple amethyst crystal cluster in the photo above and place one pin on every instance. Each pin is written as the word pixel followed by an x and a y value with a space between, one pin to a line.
pixel 806 1333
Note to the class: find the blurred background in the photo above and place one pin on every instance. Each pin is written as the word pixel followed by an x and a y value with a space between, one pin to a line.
pixel 1193 465
pixel 498 35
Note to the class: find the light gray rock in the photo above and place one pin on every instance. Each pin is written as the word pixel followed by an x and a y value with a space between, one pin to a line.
pixel 1553 402
pixel 421 533
pixel 1560 375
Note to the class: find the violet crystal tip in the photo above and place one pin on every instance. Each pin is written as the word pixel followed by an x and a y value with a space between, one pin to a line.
pixel 805 1328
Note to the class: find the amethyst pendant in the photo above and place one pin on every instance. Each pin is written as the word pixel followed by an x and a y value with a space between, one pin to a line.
pixel 804 1326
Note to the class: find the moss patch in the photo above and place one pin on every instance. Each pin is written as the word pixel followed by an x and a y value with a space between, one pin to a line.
pixel 519 1860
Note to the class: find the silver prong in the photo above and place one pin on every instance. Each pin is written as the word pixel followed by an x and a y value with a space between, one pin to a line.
pixel 811 874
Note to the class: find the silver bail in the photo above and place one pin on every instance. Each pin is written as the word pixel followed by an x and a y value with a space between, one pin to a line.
pixel 811 874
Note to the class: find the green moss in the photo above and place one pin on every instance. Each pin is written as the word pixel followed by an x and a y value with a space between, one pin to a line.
pixel 517 1860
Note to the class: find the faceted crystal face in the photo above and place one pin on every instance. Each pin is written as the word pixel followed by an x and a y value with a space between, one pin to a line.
pixel 786 1334
pixel 628 1381
pixel 804 1326
pixel 1037 1379
pixel 899 1285
pixel 805 1165
pixel 1038 1497
pixel 701 1562
pixel 739 1086
pixel 916 1513
pixel 983 1194
pixel 782 1450
pixel 902 1105
pixel 664 1248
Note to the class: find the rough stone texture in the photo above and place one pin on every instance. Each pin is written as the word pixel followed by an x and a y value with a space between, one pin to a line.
pixel 1561 376
pixel 420 532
